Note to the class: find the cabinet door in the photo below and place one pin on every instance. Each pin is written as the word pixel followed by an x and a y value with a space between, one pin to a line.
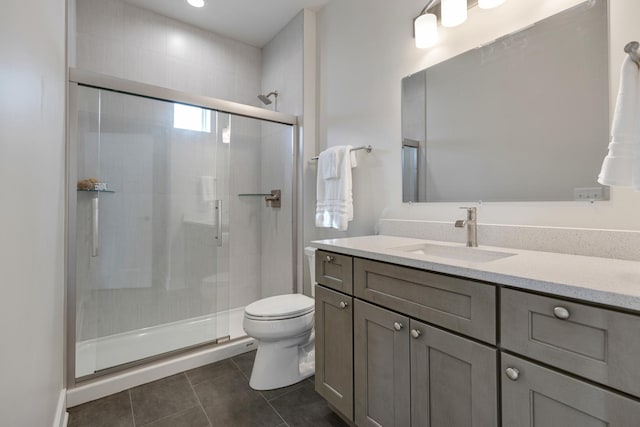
pixel 381 354
pixel 533 396
pixel 334 349
pixel 453 380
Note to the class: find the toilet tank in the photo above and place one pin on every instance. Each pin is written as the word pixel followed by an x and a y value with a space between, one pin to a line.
pixel 310 253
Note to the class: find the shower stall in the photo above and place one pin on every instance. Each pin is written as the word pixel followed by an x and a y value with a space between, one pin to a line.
pixel 169 234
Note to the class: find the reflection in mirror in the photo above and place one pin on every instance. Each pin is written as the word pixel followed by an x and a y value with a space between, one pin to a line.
pixel 524 118
pixel 410 183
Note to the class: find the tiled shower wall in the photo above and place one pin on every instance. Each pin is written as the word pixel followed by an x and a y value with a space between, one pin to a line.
pixel 121 40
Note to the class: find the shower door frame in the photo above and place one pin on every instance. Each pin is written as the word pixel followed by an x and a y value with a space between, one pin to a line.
pixel 78 77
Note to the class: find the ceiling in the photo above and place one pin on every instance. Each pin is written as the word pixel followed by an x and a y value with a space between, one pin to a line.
pixel 254 22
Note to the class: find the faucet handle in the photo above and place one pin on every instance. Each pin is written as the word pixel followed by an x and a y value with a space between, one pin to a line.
pixel 460 223
pixel 471 211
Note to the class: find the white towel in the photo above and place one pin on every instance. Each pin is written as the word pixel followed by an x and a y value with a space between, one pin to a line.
pixel 621 166
pixel 207 188
pixel 334 206
pixel 329 163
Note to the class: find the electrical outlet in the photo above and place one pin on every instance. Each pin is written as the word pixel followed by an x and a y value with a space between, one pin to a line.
pixel 591 193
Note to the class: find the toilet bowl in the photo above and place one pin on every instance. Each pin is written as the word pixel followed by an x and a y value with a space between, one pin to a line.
pixel 283 327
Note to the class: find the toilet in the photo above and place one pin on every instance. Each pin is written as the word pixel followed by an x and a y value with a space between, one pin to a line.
pixel 283 327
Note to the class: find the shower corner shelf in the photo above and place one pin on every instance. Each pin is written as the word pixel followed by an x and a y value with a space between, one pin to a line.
pixel 94 191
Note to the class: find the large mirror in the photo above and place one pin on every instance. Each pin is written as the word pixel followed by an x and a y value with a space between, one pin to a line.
pixel 524 118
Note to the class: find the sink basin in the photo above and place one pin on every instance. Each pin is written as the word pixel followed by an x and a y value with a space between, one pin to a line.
pixel 461 253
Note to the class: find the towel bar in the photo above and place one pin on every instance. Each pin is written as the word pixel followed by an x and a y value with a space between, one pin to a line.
pixel 367 148
pixel 631 48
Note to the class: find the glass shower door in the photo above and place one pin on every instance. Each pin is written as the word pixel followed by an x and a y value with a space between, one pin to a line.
pixel 151 252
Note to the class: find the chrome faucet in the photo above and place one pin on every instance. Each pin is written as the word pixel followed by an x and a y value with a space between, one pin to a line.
pixel 472 226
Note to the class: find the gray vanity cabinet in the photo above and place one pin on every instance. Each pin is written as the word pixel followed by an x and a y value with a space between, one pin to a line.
pixel 534 396
pixel 334 349
pixel 424 351
pixel 382 368
pixel 453 380
pixel 408 373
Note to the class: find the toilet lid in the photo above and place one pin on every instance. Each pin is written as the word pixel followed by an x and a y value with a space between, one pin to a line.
pixel 280 307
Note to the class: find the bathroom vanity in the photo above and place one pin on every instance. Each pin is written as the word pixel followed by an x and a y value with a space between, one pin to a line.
pixel 475 337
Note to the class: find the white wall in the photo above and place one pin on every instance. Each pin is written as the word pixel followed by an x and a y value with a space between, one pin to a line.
pixel 32 119
pixel 366 48
pixel 281 71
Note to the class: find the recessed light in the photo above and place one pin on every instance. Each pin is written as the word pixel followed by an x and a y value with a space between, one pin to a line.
pixel 196 3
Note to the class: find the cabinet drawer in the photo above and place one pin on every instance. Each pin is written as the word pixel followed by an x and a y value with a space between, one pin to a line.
pixel 596 343
pixel 463 306
pixel 334 271
pixel 533 396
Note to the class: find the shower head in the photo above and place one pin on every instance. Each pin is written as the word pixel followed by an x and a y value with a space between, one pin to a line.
pixel 265 98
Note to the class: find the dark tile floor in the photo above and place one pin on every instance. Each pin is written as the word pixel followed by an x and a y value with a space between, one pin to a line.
pixel 209 396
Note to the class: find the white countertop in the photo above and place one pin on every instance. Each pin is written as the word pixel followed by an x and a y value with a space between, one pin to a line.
pixel 600 280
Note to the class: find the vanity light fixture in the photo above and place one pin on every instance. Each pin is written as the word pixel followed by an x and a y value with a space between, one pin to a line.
pixel 489 4
pixel 451 14
pixel 425 27
pixel 196 3
pixel 454 12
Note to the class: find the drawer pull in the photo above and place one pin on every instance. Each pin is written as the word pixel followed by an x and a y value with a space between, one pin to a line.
pixel 561 313
pixel 330 258
pixel 344 304
pixel 415 334
pixel 512 373
pixel 398 326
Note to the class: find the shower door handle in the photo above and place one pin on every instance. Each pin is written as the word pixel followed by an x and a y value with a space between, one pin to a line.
pixel 218 207
pixel 95 226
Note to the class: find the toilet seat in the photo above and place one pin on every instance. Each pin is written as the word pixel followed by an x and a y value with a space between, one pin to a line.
pixel 280 307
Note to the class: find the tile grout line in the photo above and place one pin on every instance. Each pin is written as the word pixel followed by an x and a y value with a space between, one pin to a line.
pixel 238 368
pixel 198 399
pixel 274 410
pixel 133 416
pixel 262 395
pixel 171 415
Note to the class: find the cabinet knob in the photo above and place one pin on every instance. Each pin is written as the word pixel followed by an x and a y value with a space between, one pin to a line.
pixel 512 373
pixel 397 326
pixel 329 258
pixel 561 313
pixel 344 304
pixel 415 333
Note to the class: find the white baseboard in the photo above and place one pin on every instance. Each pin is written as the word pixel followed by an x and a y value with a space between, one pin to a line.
pixel 62 417
pixel 155 371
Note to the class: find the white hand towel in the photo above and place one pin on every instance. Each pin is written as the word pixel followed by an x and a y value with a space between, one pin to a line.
pixel 621 166
pixel 329 163
pixel 207 188
pixel 334 206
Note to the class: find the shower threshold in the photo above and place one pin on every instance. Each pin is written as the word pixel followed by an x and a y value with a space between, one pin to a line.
pixel 97 354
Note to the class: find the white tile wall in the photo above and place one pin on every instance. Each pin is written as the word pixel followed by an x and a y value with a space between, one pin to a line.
pixel 122 40
pixel 281 71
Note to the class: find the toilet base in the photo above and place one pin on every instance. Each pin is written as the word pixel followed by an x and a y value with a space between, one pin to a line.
pixel 280 364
